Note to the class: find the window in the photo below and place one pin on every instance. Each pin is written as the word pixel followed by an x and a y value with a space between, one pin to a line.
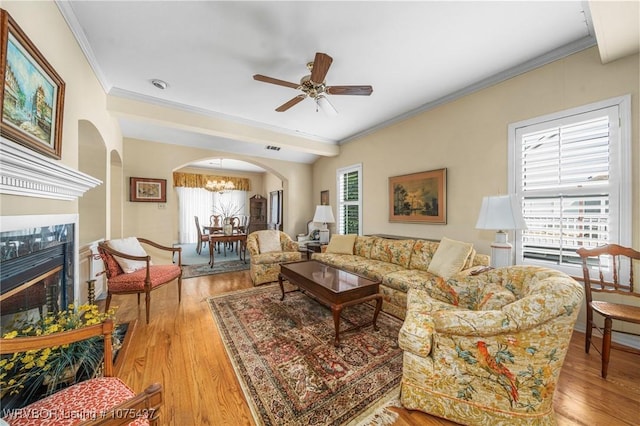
pixel 202 203
pixel 572 173
pixel 349 192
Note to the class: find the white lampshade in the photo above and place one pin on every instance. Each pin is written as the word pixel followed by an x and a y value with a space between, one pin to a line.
pixel 324 214
pixel 501 213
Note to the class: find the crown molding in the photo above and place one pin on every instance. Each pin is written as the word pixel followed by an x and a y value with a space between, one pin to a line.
pixel 559 53
pixel 66 10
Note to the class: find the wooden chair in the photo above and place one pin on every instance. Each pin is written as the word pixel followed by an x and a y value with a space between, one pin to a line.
pixel 144 280
pixel 106 398
pixel 613 259
pixel 236 228
pixel 203 239
pixel 215 220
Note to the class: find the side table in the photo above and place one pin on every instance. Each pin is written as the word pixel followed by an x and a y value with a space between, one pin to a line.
pixel 314 247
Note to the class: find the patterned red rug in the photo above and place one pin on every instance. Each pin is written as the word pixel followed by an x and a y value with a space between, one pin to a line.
pixel 291 373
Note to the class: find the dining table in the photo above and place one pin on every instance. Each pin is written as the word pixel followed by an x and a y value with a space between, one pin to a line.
pixel 217 236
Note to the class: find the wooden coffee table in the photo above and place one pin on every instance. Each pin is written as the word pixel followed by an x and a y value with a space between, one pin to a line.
pixel 333 287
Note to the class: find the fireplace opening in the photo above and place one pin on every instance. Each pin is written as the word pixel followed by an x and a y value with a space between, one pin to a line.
pixel 36 273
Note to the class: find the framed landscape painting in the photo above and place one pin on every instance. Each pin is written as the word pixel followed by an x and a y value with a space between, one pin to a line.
pixel 148 190
pixel 32 93
pixel 419 197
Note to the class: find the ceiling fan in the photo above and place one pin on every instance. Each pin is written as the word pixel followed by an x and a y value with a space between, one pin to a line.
pixel 314 85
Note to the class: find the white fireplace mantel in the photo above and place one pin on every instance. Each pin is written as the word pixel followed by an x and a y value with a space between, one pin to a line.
pixel 30 174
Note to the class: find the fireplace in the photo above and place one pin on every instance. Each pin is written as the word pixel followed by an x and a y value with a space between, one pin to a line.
pixel 38 263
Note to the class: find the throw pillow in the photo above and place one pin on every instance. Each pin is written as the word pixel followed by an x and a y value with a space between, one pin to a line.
pixel 112 266
pixel 130 246
pixel 341 244
pixel 269 241
pixel 449 258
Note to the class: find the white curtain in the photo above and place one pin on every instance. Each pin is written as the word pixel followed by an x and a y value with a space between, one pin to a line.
pixel 202 203
pixel 192 202
pixel 232 203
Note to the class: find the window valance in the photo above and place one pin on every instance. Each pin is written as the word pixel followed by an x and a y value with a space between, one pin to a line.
pixel 192 180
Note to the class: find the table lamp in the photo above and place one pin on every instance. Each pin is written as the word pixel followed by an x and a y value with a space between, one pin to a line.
pixel 501 213
pixel 324 215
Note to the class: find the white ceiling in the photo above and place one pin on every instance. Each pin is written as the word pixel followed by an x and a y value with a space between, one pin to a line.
pixel 414 54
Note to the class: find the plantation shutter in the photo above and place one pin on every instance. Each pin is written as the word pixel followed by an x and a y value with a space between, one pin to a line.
pixel 567 184
pixel 349 202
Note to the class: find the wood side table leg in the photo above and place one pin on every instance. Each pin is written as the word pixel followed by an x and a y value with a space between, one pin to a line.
pixel 336 310
pixel 281 286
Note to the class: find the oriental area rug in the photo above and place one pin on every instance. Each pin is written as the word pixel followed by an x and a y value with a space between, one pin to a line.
pixel 291 373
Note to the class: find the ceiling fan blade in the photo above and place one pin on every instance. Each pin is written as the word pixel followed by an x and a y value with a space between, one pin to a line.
pixel 265 79
pixel 285 106
pixel 321 65
pixel 349 90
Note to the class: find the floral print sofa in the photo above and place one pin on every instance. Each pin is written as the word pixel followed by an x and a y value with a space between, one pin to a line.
pixel 488 349
pixel 399 264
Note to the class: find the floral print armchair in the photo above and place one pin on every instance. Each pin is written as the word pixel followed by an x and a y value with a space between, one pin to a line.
pixel 489 349
pixel 265 267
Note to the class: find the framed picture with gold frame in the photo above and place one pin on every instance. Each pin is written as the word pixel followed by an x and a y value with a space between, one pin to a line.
pixel 419 197
pixel 148 190
pixel 32 93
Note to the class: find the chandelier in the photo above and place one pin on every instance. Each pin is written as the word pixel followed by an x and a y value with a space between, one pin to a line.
pixel 220 186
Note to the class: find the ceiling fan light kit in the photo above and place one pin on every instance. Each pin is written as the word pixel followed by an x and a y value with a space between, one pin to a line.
pixel 325 105
pixel 314 86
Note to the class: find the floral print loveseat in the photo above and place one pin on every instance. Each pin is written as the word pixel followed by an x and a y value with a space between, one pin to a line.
pixel 487 349
pixel 399 264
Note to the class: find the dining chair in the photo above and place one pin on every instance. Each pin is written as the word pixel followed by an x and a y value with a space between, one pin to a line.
pixel 614 265
pixel 203 238
pixel 235 229
pixel 215 220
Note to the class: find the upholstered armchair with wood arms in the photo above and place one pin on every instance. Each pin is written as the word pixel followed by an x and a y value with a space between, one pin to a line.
pixel 129 269
pixel 268 249
pixel 488 349
pixel 99 401
pixel 313 234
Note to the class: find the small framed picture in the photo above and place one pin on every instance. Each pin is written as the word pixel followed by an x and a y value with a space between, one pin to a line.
pixel 148 190
pixel 324 198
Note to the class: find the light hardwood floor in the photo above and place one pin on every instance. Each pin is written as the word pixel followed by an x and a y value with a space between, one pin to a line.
pixel 181 349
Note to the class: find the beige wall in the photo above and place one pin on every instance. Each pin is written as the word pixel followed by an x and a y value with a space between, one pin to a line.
pixel 159 222
pixel 469 137
pixel 84 98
